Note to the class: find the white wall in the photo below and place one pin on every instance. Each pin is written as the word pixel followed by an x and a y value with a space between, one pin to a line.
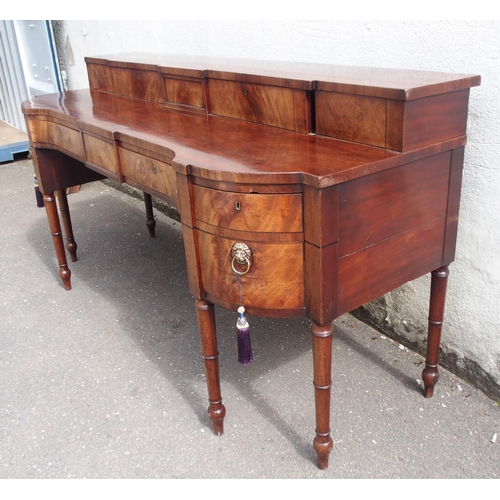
pixel 471 337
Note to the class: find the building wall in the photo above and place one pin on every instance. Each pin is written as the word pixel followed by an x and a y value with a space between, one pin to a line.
pixel 471 336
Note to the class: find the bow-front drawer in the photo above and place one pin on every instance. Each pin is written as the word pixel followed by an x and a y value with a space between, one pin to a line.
pixel 269 226
pixel 263 213
pixel 271 279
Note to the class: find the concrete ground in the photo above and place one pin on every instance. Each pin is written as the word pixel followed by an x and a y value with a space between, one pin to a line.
pixel 107 381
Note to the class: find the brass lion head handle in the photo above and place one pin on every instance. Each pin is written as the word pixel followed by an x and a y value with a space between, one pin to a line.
pixel 241 255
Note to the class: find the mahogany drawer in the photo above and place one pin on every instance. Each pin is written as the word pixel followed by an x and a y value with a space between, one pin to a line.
pixel 184 92
pixel 275 279
pixel 399 125
pixel 257 103
pixel 148 173
pixel 65 138
pixel 100 154
pixel 263 213
pixel 141 84
pixel 100 77
pixel 354 118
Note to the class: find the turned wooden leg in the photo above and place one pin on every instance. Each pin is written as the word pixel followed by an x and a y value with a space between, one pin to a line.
pixel 208 335
pixel 430 374
pixel 49 201
pixel 322 360
pixel 66 219
pixel 150 219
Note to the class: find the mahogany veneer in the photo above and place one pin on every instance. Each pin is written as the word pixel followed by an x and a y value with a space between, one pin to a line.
pixel 343 182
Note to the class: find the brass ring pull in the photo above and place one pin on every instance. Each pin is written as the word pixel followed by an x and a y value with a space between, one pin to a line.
pixel 242 255
pixel 241 273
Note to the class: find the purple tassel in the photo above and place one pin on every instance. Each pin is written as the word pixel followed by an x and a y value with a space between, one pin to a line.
pixel 245 354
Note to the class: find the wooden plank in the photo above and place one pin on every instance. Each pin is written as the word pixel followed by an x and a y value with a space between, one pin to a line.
pixel 12 141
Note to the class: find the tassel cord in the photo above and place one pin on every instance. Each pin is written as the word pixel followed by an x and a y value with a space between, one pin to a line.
pixel 239 290
pixel 245 354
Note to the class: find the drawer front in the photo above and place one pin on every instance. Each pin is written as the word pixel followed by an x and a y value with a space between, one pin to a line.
pixel 351 117
pixel 100 77
pixel 185 92
pixel 263 213
pixel 275 279
pixel 252 102
pixel 101 153
pixel 139 84
pixel 61 137
pixel 148 172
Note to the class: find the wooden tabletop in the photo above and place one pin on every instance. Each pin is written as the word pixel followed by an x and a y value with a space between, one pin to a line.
pixel 214 148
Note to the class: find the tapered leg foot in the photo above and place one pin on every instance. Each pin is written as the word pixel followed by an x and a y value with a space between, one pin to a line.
pixel 217 412
pixel 208 336
pixel 49 201
pixel 430 374
pixel 322 361
pixel 150 219
pixel 323 446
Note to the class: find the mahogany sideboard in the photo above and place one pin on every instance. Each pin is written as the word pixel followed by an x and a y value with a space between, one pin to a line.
pixel 340 184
